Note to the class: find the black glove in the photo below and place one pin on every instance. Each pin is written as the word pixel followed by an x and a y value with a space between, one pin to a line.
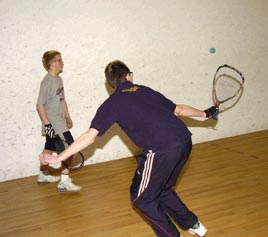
pixel 49 130
pixel 212 112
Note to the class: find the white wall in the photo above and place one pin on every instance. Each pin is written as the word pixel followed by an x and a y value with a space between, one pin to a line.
pixel 165 43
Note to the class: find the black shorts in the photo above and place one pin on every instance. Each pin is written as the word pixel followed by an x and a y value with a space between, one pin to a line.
pixel 59 143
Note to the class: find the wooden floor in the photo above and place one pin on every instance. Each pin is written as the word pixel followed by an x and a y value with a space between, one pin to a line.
pixel 225 183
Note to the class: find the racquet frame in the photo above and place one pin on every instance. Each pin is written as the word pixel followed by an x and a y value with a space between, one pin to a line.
pixel 216 101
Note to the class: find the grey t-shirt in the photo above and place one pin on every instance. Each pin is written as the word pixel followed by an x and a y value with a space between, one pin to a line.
pixel 51 95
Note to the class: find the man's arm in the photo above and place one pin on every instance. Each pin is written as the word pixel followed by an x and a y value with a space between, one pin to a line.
pixel 185 110
pixel 79 144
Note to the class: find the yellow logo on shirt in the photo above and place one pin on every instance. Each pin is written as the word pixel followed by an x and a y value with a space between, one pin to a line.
pixel 131 89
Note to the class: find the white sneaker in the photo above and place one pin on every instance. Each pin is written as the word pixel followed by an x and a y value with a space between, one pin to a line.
pixel 44 177
pixel 198 229
pixel 68 186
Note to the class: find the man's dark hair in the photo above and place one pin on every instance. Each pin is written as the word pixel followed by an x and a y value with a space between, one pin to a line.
pixel 116 72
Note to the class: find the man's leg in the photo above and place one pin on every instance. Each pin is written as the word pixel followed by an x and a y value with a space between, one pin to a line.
pixel 173 205
pixel 148 183
pixel 169 199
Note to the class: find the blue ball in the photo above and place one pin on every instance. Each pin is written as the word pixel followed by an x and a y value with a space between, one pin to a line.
pixel 212 50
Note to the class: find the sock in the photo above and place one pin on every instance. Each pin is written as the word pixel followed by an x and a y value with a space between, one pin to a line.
pixel 64 177
pixel 44 172
pixel 196 225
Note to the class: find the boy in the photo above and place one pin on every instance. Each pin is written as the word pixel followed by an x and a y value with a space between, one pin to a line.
pixel 53 112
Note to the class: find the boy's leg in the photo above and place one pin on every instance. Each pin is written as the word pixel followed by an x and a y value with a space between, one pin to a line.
pixel 62 142
pixel 65 184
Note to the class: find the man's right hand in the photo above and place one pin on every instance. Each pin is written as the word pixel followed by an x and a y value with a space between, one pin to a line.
pixel 46 159
pixel 212 112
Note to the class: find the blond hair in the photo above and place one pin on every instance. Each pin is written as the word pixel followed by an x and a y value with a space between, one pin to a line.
pixel 48 57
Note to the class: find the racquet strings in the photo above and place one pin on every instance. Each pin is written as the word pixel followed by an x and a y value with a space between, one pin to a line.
pixel 227 85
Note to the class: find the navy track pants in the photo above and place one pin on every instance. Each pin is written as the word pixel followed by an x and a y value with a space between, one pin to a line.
pixel 152 190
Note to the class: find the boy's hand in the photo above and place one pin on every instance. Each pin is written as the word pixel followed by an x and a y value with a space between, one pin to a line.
pixel 69 122
pixel 49 130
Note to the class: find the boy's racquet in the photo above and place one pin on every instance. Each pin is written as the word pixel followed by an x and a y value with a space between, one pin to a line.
pixel 77 159
pixel 227 86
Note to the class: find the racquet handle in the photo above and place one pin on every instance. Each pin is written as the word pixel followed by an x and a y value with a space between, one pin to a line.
pixel 217 103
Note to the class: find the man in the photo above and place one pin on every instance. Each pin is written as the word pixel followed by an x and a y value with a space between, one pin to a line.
pixel 151 121
pixel 53 112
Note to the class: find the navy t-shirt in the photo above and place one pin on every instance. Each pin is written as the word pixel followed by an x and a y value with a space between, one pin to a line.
pixel 145 115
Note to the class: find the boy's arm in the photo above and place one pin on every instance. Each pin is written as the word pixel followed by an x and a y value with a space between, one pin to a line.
pixel 43 116
pixel 68 119
pixel 42 113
